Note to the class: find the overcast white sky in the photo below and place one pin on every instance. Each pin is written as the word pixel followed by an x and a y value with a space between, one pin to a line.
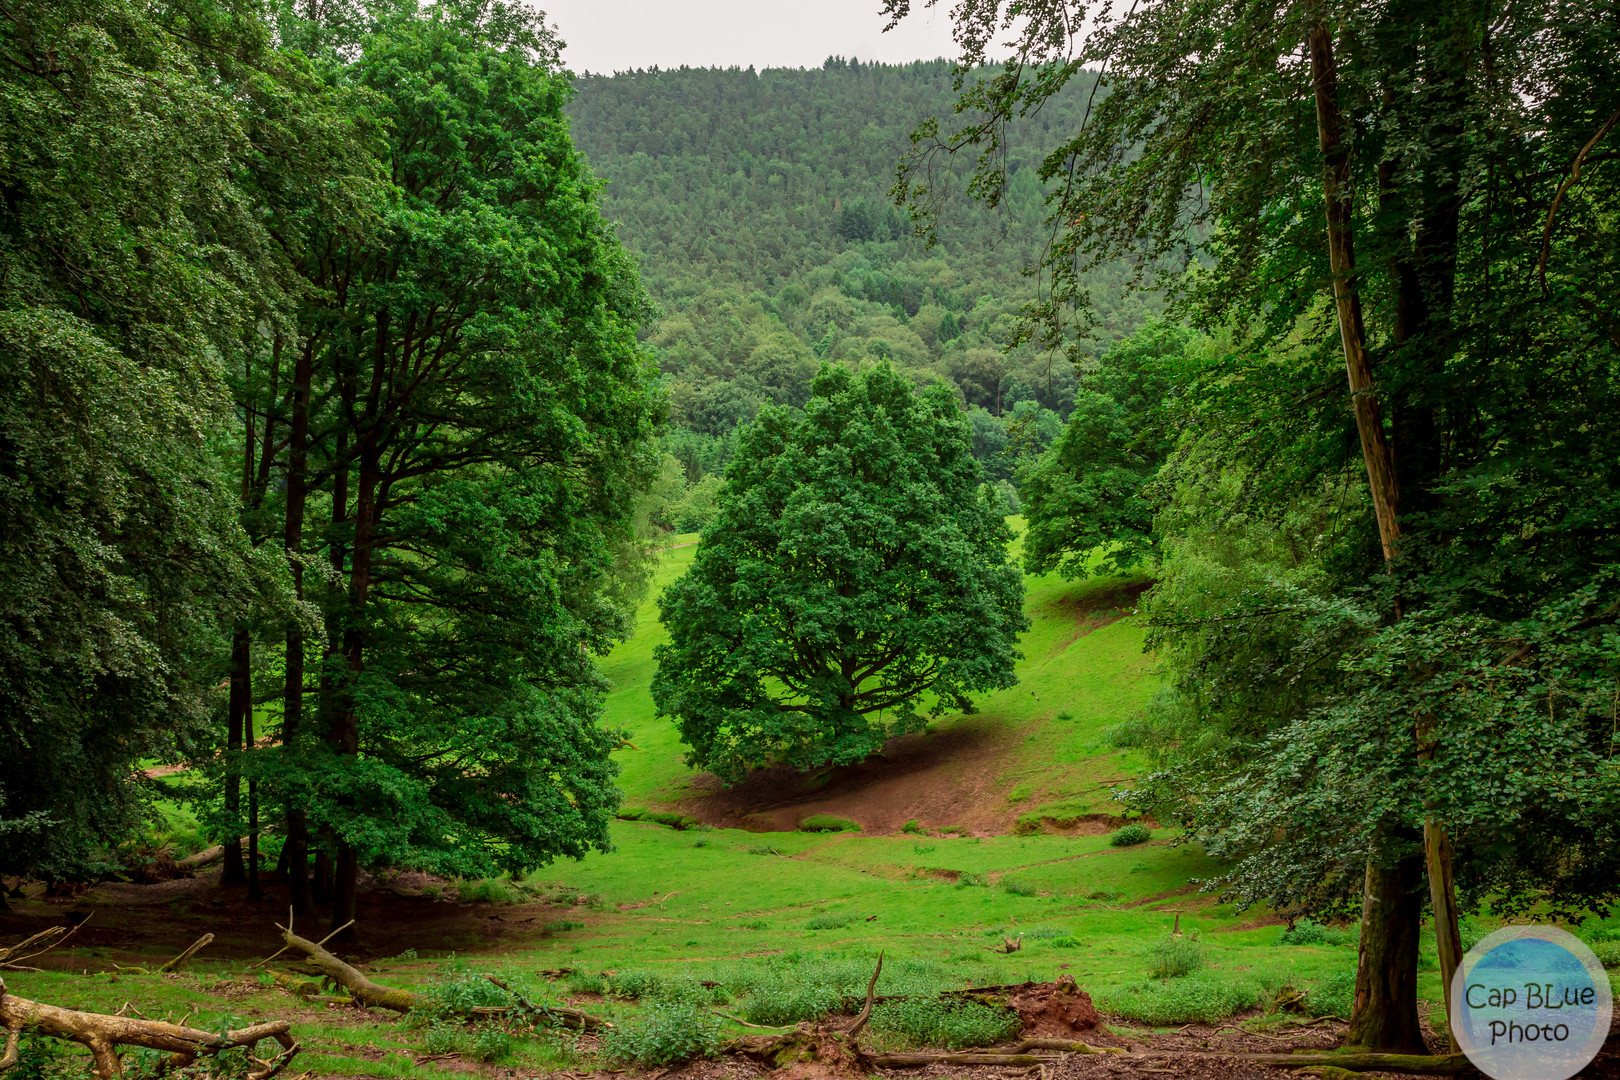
pixel 617 35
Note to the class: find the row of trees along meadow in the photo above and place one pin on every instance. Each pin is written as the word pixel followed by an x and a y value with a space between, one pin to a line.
pixel 322 395
pixel 1388 614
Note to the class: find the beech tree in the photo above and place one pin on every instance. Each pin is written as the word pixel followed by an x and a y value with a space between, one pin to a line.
pixel 854 582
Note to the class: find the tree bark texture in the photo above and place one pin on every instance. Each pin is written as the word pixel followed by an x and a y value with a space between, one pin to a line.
pixel 1385 1014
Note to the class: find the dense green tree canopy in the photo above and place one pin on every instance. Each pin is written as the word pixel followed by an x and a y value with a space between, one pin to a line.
pixel 854 581
pixel 1087 495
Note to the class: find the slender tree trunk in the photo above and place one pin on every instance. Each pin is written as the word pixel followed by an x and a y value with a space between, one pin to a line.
pixel 346 728
pixel 240 702
pixel 295 852
pixel 322 885
pixel 1381 481
pixel 252 786
pixel 1385 1015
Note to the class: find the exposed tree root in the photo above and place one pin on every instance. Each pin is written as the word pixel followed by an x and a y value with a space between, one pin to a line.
pixel 102 1035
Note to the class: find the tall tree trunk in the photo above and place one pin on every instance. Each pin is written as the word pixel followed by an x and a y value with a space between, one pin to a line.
pixel 240 702
pixel 1385 1014
pixel 252 785
pixel 1382 482
pixel 295 851
pixel 346 728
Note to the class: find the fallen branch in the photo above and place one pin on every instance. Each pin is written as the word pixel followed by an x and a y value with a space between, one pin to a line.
pixel 913 1061
pixel 746 1024
pixel 1415 1064
pixel 574 1018
pixel 866 1012
pixel 200 859
pixel 52 937
pixel 102 1034
pixel 1067 1046
pixel 359 987
pixel 195 947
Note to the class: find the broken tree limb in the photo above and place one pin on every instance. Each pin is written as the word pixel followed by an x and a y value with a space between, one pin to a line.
pixel 912 1061
pixel 571 1018
pixel 195 947
pixel 46 935
pixel 47 939
pixel 359 987
pixel 1067 1046
pixel 102 1035
pixel 866 1011
pixel 1414 1064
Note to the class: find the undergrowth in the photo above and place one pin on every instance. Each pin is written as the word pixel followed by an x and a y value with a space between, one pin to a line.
pixel 665 1033
pixel 948 1022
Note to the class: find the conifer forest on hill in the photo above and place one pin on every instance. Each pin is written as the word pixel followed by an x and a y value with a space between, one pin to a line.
pixel 1096 556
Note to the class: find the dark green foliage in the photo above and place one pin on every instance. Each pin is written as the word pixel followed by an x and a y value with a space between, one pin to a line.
pixel 663 1034
pixel 1017 888
pixel 954 1023
pixel 1333 995
pixel 855 566
pixel 828 823
pixel 1131 835
pixel 1089 491
pixel 829 922
pixel 1199 999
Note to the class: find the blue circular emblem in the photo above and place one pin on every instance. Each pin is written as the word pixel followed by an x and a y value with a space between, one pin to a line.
pixel 1530 1003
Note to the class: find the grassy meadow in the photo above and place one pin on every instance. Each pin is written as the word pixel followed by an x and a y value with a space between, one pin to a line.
pixel 765 914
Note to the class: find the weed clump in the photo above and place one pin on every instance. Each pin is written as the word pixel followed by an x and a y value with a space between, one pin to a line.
pixel 912 827
pixel 1176 957
pixel 951 1023
pixel 1199 999
pixel 1306 932
pixel 458 994
pixel 665 1033
pixel 1017 887
pixel 1131 835
pixel 968 878
pixel 1333 996
pixel 829 922
pixel 490 891
pixel 827 823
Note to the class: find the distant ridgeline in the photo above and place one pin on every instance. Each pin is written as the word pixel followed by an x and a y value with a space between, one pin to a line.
pixel 758 204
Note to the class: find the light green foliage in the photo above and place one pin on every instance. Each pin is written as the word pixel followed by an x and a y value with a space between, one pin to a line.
pixel 1131 835
pixel 1018 887
pixel 666 1033
pixel 1201 999
pixel 490 891
pixel 491 1042
pixel 1307 932
pixel 829 922
pixel 1333 995
pixel 855 583
pixel 1176 957
pixel 953 1023
pixel 458 992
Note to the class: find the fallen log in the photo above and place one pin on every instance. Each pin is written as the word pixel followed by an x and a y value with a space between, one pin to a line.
pixel 913 1061
pixel 102 1034
pixel 200 859
pixel 359 987
pixel 1413 1064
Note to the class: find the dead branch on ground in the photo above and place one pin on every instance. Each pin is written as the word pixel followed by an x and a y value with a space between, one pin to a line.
pixel 359 987
pixel 49 938
pixel 195 947
pixel 102 1034
pixel 577 1019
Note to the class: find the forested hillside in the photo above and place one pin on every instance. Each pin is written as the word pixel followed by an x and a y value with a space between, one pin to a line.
pixel 758 204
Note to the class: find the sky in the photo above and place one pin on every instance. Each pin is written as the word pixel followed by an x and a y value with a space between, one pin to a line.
pixel 617 35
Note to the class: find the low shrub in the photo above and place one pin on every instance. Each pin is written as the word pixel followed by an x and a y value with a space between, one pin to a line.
pixel 1608 953
pixel 1027 825
pixel 490 891
pixel 949 1022
pixel 557 926
pixel 1105 895
pixel 1199 999
pixel 1017 887
pixel 584 982
pixel 827 823
pixel 1333 996
pixel 457 994
pixel 912 827
pixel 665 1033
pixel 780 1003
pixel 679 822
pixel 1131 835
pixel 635 983
pixel 442 1037
pixel 1176 957
pixel 968 878
pixel 631 813
pixel 1306 932
pixel 1045 933
pixel 491 1042
pixel 829 922
pixel 758 849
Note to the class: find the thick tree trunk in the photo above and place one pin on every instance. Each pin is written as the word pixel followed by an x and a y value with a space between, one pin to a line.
pixel 1385 1015
pixel 241 701
pixel 1383 484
